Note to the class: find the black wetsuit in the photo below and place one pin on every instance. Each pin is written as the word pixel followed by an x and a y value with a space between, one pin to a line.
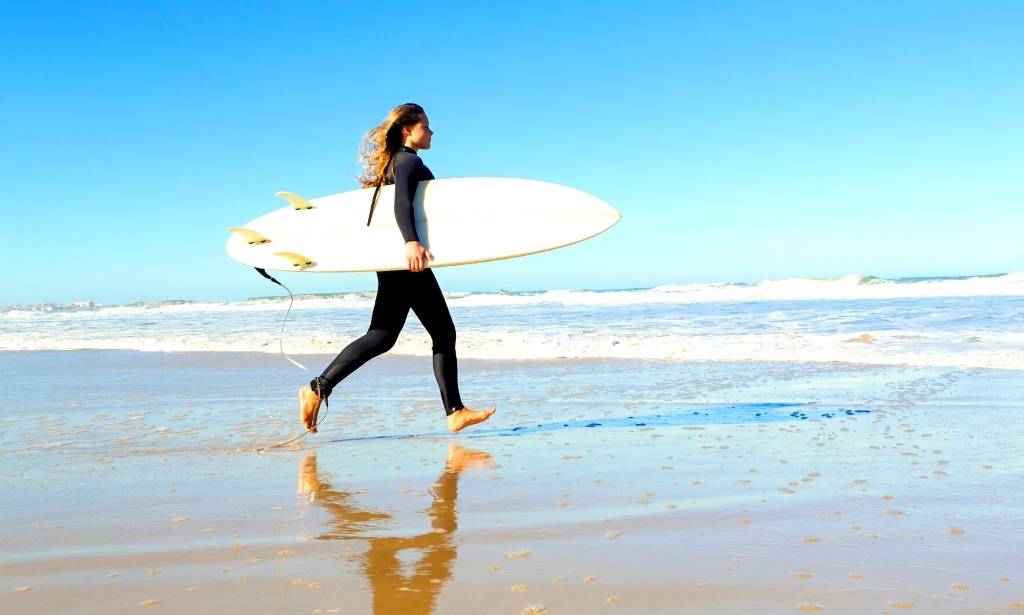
pixel 397 292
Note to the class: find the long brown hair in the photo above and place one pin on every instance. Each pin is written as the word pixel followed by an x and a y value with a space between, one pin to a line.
pixel 380 144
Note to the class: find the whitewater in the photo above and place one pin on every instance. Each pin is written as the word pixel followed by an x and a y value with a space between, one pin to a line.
pixel 967 322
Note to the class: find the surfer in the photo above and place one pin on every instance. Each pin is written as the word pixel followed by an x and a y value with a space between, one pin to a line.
pixel 388 151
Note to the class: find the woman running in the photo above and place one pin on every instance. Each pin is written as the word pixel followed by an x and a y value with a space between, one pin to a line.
pixel 391 150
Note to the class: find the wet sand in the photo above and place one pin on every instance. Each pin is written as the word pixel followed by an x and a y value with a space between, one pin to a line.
pixel 131 482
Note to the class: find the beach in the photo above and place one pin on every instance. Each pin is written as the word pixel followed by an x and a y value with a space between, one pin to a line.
pixel 136 480
pixel 743 281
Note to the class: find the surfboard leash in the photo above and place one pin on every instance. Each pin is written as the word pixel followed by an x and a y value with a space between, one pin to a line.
pixel 280 341
pixel 327 405
pixel 298 437
pixel 291 301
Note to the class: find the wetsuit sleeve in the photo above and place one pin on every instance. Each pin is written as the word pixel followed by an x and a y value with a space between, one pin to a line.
pixel 405 191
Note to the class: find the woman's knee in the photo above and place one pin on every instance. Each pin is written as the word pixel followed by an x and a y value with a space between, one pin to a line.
pixel 381 340
pixel 443 337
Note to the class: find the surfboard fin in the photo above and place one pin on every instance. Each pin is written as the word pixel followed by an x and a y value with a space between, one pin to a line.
pixel 296 201
pixel 252 237
pixel 298 261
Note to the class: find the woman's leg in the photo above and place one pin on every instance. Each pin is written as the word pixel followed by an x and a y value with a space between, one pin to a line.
pixel 430 307
pixel 390 310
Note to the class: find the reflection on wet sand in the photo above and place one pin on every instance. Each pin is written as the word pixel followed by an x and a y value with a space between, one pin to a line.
pixel 394 591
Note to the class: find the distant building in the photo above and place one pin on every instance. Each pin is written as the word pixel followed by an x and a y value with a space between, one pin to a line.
pixel 66 307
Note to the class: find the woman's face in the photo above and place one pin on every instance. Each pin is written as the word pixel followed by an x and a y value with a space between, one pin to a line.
pixel 418 135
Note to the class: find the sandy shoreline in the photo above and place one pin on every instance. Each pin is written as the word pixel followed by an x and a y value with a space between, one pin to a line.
pixel 132 479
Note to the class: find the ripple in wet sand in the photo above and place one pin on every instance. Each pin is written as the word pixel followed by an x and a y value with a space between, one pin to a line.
pixel 519 554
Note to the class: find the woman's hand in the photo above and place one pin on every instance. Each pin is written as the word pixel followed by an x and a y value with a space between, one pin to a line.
pixel 417 256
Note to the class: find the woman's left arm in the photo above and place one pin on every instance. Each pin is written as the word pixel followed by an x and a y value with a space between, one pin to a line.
pixel 405 191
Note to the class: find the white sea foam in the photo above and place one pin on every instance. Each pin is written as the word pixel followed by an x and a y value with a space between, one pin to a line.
pixel 957 349
pixel 850 287
pixel 970 322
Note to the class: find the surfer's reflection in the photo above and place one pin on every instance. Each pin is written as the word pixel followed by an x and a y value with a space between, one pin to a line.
pixel 394 591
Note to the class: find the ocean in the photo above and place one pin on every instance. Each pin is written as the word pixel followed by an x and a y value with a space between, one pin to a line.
pixel 971 322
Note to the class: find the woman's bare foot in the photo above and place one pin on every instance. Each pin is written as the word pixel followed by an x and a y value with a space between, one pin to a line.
pixel 309 407
pixel 460 419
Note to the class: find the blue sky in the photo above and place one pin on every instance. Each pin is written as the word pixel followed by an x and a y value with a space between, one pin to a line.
pixel 740 140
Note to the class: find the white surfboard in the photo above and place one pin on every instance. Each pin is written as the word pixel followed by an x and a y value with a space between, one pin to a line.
pixel 461 221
